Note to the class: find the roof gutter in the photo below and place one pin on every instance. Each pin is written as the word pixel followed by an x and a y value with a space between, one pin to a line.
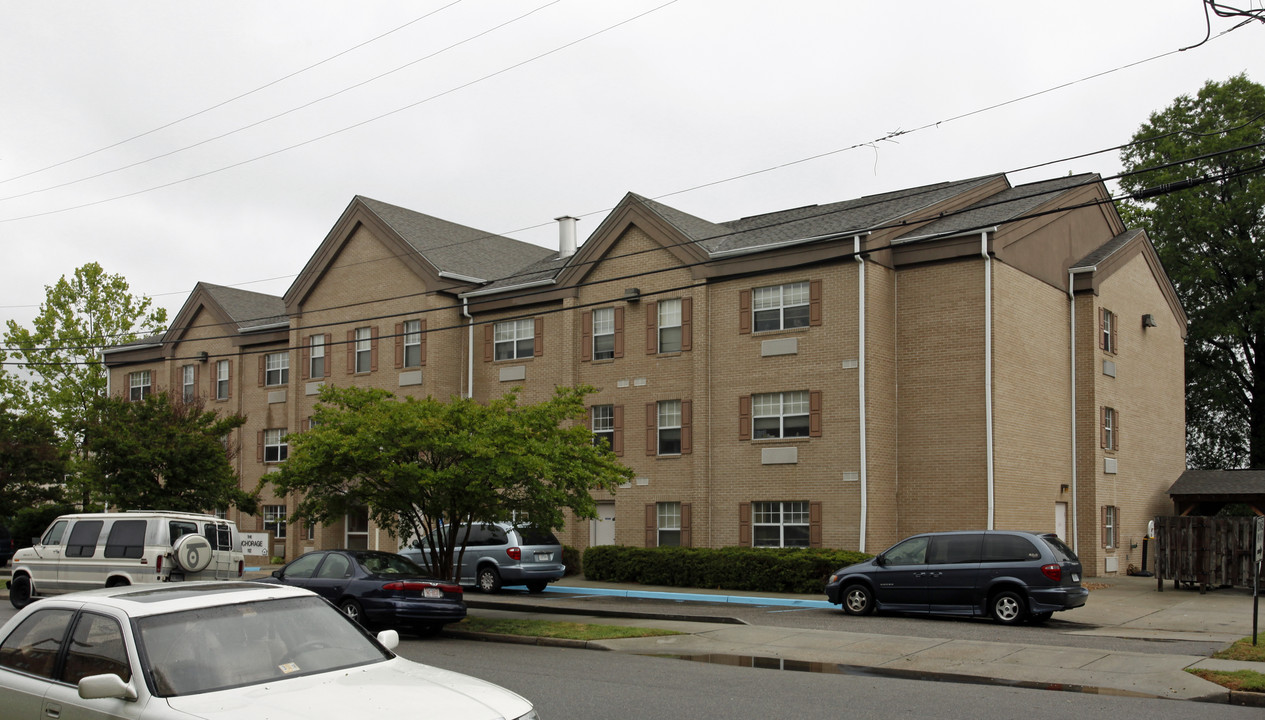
pixel 495 291
pixel 787 243
pixel 463 278
pixel 126 348
pixel 260 328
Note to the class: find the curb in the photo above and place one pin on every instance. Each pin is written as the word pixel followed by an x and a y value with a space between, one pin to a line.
pixel 1248 699
pixel 525 640
pixel 599 612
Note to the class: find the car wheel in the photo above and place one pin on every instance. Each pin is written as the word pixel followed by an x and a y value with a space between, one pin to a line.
pixel 1007 607
pixel 1038 618
pixel 352 609
pixel 488 580
pixel 116 582
pixel 858 600
pixel 20 591
pixel 537 586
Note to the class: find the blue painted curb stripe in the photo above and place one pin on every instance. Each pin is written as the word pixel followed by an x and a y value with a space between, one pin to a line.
pixel 691 597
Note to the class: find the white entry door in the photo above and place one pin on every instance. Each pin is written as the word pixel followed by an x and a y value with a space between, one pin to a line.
pixel 1060 520
pixel 603 528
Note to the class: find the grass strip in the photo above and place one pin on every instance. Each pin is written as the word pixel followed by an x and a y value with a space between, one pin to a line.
pixel 1240 680
pixel 1245 650
pixel 550 629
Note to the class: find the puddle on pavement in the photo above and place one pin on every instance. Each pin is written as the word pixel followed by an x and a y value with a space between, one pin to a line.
pixel 774 663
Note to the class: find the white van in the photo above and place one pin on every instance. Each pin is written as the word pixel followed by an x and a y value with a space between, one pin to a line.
pixel 92 550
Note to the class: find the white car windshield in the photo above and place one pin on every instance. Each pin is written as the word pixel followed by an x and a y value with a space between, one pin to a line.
pixel 214 648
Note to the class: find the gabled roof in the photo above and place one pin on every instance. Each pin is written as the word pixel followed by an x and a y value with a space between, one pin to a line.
pixel 1219 483
pixel 249 310
pixel 1018 201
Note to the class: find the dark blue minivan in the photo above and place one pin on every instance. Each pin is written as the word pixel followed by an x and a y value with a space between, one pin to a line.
pixel 1009 575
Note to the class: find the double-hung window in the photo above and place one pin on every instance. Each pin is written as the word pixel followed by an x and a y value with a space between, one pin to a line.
pixel 221 380
pixel 139 385
pixel 670 325
pixel 276 369
pixel 316 357
pixel 781 307
pixel 1107 330
pixel 604 333
pixel 515 339
pixel 603 425
pixel 1110 526
pixel 669 427
pixel 275 520
pixel 412 343
pixel 669 521
pixel 1110 429
pixel 276 449
pixel 188 383
pixel 779 415
pixel 780 524
pixel 364 350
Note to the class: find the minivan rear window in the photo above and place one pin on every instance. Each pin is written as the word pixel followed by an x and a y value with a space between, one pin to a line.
pixel 1009 548
pixel 535 536
pixel 1061 551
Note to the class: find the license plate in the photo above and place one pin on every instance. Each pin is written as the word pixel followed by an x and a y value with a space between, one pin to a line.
pixel 544 557
pixel 1076 578
pixel 432 593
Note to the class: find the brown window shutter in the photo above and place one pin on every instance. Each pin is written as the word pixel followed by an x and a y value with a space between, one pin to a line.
pixel 399 345
pixel 195 380
pixel 744 524
pixel 652 429
pixel 814 413
pixel 652 526
pixel 230 378
pixel 263 369
pixel 687 324
pixel 652 327
pixel 538 343
pixel 617 442
pixel 687 427
pixel 744 417
pixel 259 447
pixel 744 311
pixel 351 352
pixel 1102 427
pixel 305 359
pixel 487 343
pixel 1102 528
pixel 687 512
pixel 373 349
pixel 1102 326
pixel 586 336
pixel 1119 528
pixel 814 302
pixel 422 350
pixel 814 524
pixel 1115 430
pixel 619 332
pixel 1115 348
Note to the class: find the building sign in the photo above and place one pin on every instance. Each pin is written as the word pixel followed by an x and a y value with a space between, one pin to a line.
pixel 255 543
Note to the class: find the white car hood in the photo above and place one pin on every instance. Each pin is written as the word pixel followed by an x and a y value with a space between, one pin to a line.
pixel 380 690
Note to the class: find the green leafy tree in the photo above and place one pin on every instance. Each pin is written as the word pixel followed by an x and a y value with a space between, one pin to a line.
pixel 1209 235
pixel 32 462
pixel 420 464
pixel 164 454
pixel 80 316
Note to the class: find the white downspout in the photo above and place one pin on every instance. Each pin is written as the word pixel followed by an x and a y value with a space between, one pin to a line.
pixel 856 249
pixel 1071 301
pixel 465 310
pixel 988 374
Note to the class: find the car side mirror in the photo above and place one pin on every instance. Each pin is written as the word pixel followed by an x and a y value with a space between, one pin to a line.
pixel 880 561
pixel 390 639
pixel 97 687
pixel 276 574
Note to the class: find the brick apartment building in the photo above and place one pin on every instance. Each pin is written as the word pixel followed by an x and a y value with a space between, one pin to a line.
pixel 960 355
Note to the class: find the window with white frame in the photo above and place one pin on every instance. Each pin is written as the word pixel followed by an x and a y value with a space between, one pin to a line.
pixel 1107 331
pixel 779 524
pixel 604 425
pixel 309 531
pixel 220 513
pixel 669 514
pixel 221 380
pixel 188 387
pixel 276 369
pixel 139 386
pixel 1110 521
pixel 275 520
pixel 669 427
pixel 276 449
pixel 514 339
pixel 1110 429
pixel 364 350
pixel 779 415
pixel 412 343
pixel 316 357
pixel 357 524
pixel 780 307
pixel 604 333
pixel 670 325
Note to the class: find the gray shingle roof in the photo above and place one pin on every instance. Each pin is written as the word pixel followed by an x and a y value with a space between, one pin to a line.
pixel 1107 249
pixel 456 248
pixel 1219 482
pixel 248 309
pixel 1005 205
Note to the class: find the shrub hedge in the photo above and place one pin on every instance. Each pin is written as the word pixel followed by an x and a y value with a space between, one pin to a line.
pixel 790 570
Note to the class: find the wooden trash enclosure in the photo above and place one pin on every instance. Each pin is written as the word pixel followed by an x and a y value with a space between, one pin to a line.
pixel 1206 552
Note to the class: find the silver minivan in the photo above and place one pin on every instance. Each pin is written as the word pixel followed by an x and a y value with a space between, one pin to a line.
pixel 500 554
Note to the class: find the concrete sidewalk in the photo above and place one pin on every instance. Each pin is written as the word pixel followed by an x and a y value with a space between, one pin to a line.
pixel 1126 607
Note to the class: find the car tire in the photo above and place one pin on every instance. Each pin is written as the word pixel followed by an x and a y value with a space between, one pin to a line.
pixel 1007 607
pixel 20 591
pixel 1038 618
pixel 352 609
pixel 858 600
pixel 537 586
pixel 488 580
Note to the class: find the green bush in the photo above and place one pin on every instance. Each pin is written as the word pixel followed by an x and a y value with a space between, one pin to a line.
pixel 790 570
pixel 31 522
pixel 573 560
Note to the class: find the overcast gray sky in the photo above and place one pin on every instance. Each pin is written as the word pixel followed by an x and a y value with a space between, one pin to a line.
pixel 174 142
